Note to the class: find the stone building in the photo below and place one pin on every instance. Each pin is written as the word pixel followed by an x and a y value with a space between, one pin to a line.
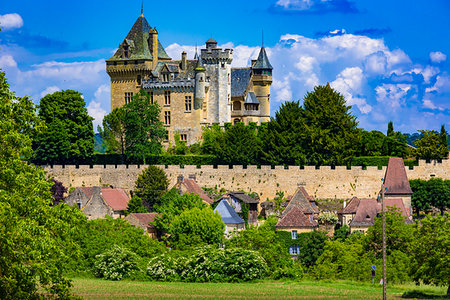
pixel 143 221
pixel 229 216
pixel 191 92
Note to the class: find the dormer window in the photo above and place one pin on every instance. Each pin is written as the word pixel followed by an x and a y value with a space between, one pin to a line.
pixel 126 51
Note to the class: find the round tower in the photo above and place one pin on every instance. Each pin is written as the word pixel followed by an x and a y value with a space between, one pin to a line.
pixel 199 92
pixel 262 80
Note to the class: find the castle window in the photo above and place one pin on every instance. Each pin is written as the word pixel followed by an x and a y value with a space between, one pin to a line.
pixel 166 97
pixel 128 97
pixel 236 105
pixel 139 79
pixel 236 121
pixel 167 118
pixel 126 53
pixel 223 65
pixel 188 103
pixel 183 137
pixel 268 97
pixel 151 96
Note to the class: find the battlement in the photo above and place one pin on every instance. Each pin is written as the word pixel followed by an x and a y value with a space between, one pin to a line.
pixel 215 55
pixel 129 67
pixel 338 182
pixel 178 84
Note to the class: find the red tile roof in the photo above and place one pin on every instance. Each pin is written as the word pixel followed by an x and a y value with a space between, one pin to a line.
pixel 194 188
pixel 398 203
pixel 368 209
pixel 145 218
pixel 351 206
pixel 296 218
pixel 396 179
pixel 88 191
pixel 117 199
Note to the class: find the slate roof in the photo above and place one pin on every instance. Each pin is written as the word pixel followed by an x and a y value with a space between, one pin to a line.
pixel 145 218
pixel 174 66
pixel 296 218
pixel 137 39
pixel 117 199
pixel 243 197
pixel 194 188
pixel 396 179
pixel 240 78
pixel 251 98
pixel 303 201
pixel 263 61
pixel 227 213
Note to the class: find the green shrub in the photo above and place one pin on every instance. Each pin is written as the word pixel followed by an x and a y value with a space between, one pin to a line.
pixel 294 272
pixel 115 264
pixel 165 267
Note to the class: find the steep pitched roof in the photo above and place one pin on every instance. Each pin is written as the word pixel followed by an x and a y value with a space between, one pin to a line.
pixel 240 78
pixel 87 191
pixel 117 199
pixel 351 206
pixel 251 98
pixel 227 213
pixel 145 218
pixel 395 178
pixel 296 218
pixel 243 197
pixel 365 213
pixel 302 200
pixel 398 203
pixel 137 39
pixel 192 187
pixel 263 61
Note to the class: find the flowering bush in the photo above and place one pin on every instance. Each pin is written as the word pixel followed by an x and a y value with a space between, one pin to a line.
pixel 327 218
pixel 209 264
pixel 294 272
pixel 115 263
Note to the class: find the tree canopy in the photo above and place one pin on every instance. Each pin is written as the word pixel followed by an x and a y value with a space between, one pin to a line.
pixel 69 135
pixel 151 184
pixel 432 145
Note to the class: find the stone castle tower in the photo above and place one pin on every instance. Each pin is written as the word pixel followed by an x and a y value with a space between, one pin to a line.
pixel 192 93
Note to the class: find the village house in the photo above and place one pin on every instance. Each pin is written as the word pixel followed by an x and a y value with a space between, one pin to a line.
pixel 396 182
pixel 97 202
pixel 190 186
pixel 142 220
pixel 240 201
pixel 229 216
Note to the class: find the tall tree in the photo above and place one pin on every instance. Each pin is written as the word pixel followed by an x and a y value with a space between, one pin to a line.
pixel 144 131
pixel 282 137
pixel 330 132
pixel 69 137
pixel 240 145
pixel 390 130
pixel 151 184
pixel 113 132
pixel 32 260
pixel 443 142
pixel 429 146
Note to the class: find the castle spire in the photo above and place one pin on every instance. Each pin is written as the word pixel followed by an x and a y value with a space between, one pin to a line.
pixel 196 53
pixel 142 8
pixel 262 38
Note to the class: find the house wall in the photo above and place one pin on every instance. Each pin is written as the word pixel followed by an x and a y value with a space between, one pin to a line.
pixel 358 228
pixel 299 229
pixel 232 227
pixel 322 183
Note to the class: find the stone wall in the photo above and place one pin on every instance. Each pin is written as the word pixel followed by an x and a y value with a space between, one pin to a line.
pixel 321 183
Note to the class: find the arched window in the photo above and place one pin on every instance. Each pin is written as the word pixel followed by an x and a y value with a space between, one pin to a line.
pixel 236 105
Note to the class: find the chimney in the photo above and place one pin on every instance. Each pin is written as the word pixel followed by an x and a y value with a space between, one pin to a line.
pixel 345 204
pixel 183 60
pixel 180 179
pixel 154 45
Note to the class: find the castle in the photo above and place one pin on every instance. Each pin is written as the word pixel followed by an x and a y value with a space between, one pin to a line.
pixel 192 93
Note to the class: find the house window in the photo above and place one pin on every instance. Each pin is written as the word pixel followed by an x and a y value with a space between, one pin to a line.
pixel 188 103
pixel 167 118
pixel 79 205
pixel 236 121
pixel 166 97
pixel 166 136
pixel 151 96
pixel 294 234
pixel 183 137
pixel 294 250
pixel 128 97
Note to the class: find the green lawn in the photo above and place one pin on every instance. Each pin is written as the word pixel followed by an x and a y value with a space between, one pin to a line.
pixel 103 289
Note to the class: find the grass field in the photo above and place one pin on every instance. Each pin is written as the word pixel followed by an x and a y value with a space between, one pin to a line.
pixel 102 289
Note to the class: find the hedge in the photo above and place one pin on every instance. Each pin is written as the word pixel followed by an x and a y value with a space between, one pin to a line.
pixel 379 161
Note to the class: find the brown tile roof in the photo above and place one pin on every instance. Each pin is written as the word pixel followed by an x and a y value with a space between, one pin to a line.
pixel 365 213
pixel 398 203
pixel 88 191
pixel 396 179
pixel 243 197
pixel 351 206
pixel 117 199
pixel 302 200
pixel 194 188
pixel 296 218
pixel 145 218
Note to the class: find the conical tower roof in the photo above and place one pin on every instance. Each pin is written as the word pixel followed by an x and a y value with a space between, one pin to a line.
pixel 263 61
pixel 137 40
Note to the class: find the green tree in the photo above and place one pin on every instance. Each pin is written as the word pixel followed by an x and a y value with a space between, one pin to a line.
pixel 439 193
pixel 135 205
pixel 430 251
pixel 171 205
pixel 34 240
pixel 151 184
pixel 113 132
pixel 390 130
pixel 144 131
pixel 420 199
pixel 394 144
pixel 429 146
pixel 371 143
pixel 239 146
pixel 330 131
pixel 196 227
pixel 443 142
pixel 212 139
pixel 69 136
pixel 282 137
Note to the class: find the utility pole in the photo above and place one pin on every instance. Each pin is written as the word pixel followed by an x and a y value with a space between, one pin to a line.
pixel 383 209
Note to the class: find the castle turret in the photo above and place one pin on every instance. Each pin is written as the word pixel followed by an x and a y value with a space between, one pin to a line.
pixel 262 79
pixel 200 86
pixel 154 45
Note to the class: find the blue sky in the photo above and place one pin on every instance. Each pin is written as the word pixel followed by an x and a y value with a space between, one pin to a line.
pixel 390 59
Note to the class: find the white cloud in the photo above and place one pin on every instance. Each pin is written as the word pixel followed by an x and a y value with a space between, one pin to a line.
pixel 441 85
pixel 393 95
pixel 10 21
pixel 437 57
pixel 296 4
pixel 96 107
pixel 376 63
pixel 49 90
pixel 7 61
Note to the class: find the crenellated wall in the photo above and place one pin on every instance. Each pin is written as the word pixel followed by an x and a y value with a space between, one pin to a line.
pixel 323 182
